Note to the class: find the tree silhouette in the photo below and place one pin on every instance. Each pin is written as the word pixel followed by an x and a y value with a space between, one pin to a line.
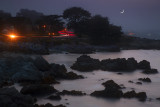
pixel 76 18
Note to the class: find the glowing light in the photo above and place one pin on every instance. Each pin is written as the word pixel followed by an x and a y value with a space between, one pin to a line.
pixel 12 36
pixel 53 33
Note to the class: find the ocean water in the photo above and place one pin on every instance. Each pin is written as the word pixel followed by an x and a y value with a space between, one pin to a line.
pixel 94 79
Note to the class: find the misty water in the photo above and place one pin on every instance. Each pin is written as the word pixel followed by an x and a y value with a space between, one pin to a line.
pixel 94 79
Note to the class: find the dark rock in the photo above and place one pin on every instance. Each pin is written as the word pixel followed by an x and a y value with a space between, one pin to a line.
pixel 38 90
pixel 144 65
pixel 119 64
pixel 130 81
pixel 72 75
pixel 119 73
pixel 145 79
pixel 129 94
pixel 48 105
pixel 108 93
pixel 158 98
pixel 86 63
pixel 141 96
pixel 6 83
pixel 112 90
pixel 73 92
pixel 110 84
pixel 47 79
pixel 41 64
pixel 139 83
pixel 54 97
pixel 81 50
pixel 150 71
pixel 10 97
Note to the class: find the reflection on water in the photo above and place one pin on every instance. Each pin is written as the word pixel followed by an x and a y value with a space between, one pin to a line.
pixel 94 80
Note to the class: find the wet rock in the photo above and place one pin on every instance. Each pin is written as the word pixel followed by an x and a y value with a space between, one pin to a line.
pixel 110 84
pixel 58 71
pixel 129 94
pixel 54 97
pixel 48 105
pixel 144 65
pixel 150 71
pixel 10 97
pixel 38 90
pixel 27 73
pixel 73 92
pixel 141 96
pixel 72 76
pixel 41 64
pixel 86 63
pixel 112 90
pixel 47 79
pixel 119 64
pixel 6 83
pixel 132 94
pixel 145 79
pixel 130 81
pixel 139 83
pixel 158 98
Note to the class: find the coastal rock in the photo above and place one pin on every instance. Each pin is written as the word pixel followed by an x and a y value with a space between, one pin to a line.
pixel 119 64
pixel 112 90
pixel 145 79
pixel 111 84
pixel 10 97
pixel 141 96
pixel 48 105
pixel 54 97
pixel 130 94
pixel 150 71
pixel 86 63
pixel 144 65
pixel 41 64
pixel 38 90
pixel 27 73
pixel 73 92
pixel 72 76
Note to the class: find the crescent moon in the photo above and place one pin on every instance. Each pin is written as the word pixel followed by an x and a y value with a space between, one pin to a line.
pixel 122 11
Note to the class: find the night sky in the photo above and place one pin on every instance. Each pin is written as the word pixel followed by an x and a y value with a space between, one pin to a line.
pixel 140 15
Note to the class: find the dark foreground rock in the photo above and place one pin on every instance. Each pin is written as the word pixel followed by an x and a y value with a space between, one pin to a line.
pixel 60 72
pixel 38 90
pixel 86 63
pixel 73 92
pixel 54 97
pixel 112 90
pixel 150 71
pixel 41 64
pixel 145 79
pixel 10 97
pixel 48 105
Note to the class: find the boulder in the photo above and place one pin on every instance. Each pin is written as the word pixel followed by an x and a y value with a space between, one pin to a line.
pixel 150 71
pixel 72 76
pixel 111 84
pixel 10 97
pixel 130 94
pixel 119 64
pixel 144 65
pixel 86 63
pixel 73 92
pixel 38 90
pixel 141 96
pixel 145 79
pixel 27 73
pixel 112 90
pixel 41 64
